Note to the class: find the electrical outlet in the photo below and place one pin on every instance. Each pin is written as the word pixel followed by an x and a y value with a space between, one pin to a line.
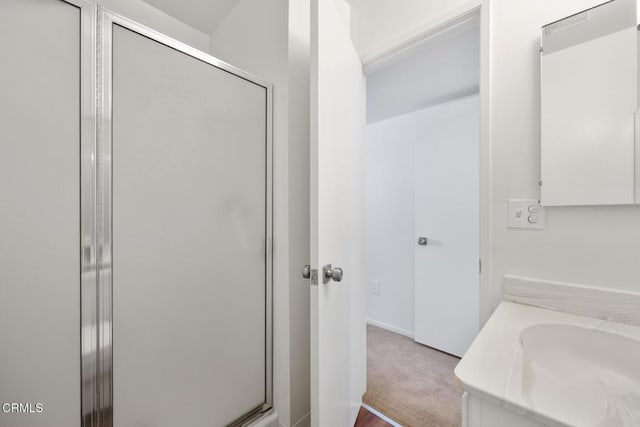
pixel 375 287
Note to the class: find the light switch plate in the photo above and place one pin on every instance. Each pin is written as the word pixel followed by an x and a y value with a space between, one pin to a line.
pixel 526 213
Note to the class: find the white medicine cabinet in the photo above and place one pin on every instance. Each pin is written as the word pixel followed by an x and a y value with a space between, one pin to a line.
pixel 590 135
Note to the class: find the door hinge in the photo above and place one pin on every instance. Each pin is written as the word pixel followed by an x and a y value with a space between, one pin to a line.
pixel 479 266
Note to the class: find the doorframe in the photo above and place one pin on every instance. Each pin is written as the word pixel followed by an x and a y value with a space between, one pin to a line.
pixel 436 26
pixel 96 169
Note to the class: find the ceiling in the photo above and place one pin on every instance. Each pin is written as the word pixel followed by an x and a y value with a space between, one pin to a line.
pixel 438 69
pixel 203 15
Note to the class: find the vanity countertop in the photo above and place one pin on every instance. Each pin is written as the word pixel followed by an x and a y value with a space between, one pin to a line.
pixel 496 368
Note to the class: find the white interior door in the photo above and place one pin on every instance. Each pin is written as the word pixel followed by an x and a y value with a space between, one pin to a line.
pixel 338 376
pixel 447 214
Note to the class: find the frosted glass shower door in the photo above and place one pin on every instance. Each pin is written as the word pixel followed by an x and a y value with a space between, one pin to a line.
pixel 42 132
pixel 189 240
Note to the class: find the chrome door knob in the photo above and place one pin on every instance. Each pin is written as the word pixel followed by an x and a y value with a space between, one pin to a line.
pixel 329 273
pixel 306 272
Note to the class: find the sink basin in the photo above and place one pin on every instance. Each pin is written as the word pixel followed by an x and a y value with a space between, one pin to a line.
pixel 589 375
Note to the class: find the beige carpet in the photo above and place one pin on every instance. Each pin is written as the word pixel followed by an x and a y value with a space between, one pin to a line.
pixel 412 384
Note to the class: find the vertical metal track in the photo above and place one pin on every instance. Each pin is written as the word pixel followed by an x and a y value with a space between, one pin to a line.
pixel 98 97
pixel 96 330
pixel 269 252
pixel 104 383
pixel 88 187
pixel 636 123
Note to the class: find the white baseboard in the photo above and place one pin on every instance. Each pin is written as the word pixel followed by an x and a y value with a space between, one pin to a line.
pixel 390 328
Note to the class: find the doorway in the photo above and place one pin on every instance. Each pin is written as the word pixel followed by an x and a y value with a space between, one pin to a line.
pixel 422 155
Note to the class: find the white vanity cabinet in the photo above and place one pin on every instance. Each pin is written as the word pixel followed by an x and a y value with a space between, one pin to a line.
pixel 532 366
pixel 480 412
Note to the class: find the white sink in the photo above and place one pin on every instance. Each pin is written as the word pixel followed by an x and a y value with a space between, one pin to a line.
pixel 590 373
pixel 531 366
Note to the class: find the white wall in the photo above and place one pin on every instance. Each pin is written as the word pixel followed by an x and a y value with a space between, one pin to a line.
pixel 271 40
pixel 390 221
pixel 589 245
pixel 597 246
pixel 158 20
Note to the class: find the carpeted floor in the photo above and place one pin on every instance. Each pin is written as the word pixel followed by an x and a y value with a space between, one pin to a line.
pixel 412 384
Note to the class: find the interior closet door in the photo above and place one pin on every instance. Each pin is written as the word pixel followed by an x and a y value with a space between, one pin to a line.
pixel 190 217
pixel 447 213
pixel 41 64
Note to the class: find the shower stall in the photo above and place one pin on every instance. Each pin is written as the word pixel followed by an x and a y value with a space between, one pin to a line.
pixel 136 224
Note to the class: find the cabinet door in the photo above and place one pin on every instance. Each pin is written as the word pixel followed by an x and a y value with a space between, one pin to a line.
pixel 40 134
pixel 589 98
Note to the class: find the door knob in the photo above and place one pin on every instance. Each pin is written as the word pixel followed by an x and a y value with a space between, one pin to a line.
pixel 423 241
pixel 306 272
pixel 329 273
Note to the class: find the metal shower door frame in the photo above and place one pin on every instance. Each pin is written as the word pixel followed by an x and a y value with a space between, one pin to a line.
pixel 96 223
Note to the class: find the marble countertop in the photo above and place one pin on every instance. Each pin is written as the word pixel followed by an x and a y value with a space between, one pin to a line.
pixel 493 367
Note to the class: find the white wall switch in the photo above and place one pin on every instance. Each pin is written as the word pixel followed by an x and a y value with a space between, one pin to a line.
pixel 526 213
pixel 375 287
